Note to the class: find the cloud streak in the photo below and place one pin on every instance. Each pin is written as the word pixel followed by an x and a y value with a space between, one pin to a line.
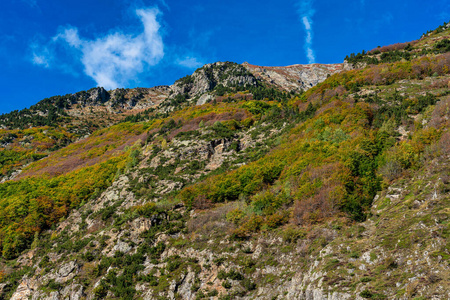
pixel 189 62
pixel 112 60
pixel 306 12
pixel 31 3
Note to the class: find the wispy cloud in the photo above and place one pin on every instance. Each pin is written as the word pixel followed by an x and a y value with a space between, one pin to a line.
pixel 306 12
pixel 164 3
pixel 112 60
pixel 40 60
pixel 191 56
pixel 32 3
pixel 189 62
pixel 70 36
pixel 41 54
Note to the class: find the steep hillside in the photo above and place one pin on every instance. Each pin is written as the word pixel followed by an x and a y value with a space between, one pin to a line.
pixel 58 121
pixel 239 182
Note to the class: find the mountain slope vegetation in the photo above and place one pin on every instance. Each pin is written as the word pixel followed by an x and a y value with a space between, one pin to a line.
pixel 227 185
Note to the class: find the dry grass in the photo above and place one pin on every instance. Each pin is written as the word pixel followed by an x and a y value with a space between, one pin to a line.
pixel 441 114
pixel 212 220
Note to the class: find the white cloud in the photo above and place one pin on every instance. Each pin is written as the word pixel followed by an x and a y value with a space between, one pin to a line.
pixel 306 22
pixel 189 62
pixel 40 60
pixel 40 55
pixel 310 55
pixel 115 59
pixel 70 35
pixel 306 12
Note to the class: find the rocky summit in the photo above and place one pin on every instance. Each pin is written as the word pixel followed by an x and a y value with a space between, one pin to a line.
pixel 237 182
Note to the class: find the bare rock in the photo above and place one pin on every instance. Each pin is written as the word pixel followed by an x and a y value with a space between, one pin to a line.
pixel 24 290
pixel 122 247
pixel 67 271
pixel 204 98
pixel 295 77
pixel 73 292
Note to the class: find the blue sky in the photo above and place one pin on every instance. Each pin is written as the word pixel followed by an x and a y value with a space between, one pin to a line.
pixel 56 47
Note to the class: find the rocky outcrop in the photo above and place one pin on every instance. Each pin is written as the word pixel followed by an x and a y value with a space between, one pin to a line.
pixel 119 99
pixel 289 78
pixel 209 76
pixel 25 289
pixel 67 271
pixel 295 77
pixel 95 96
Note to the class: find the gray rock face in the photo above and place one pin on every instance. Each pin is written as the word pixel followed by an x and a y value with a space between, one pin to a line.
pixel 209 76
pixel 295 77
pixel 204 98
pixel 73 292
pixel 122 247
pixel 24 290
pixel 94 96
pixel 120 99
pixel 184 288
pixel 67 269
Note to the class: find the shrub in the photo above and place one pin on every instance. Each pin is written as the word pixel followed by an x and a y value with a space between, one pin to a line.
pixel 291 234
pixel 366 294
pixel 313 209
pixel 213 293
pixel 52 285
pixel 44 262
pixel 276 220
pixel 249 227
pixel 100 291
pixel 248 284
pixel 264 202
pixel 173 263
pixel 232 274
pixel 391 170
pixel 201 202
pixel 235 216
pixel 147 210
pixel 366 279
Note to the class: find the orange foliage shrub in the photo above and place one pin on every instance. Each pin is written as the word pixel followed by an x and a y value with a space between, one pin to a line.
pixel 201 202
pixel 276 220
